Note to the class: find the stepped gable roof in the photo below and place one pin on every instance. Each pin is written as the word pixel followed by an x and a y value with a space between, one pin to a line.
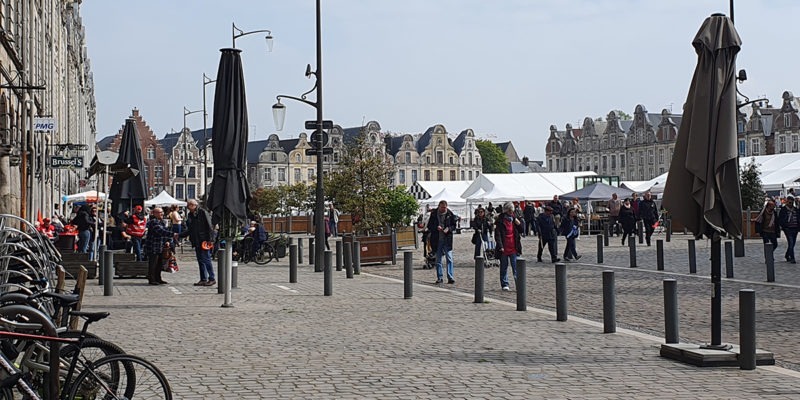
pixel 254 150
pixel 106 142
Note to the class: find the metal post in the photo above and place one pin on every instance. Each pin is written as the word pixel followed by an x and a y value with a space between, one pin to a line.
pixel 600 248
pixel 356 257
pixel 479 279
pixel 747 329
pixel 319 194
pixel 609 303
pixel 660 255
pixel 348 259
pixel 108 267
pixel 692 258
pixel 234 275
pixel 716 299
pixel 632 252
pixel 221 270
pixel 521 286
pixel 299 250
pixel 561 292
pixel 312 255
pixel 338 255
pixel 328 273
pixel 228 257
pixel 640 231
pixel 292 263
pixel 608 232
pixel 668 227
pixel 670 311
pixel 728 259
pixel 101 273
pixel 769 258
pixel 738 247
pixel 408 274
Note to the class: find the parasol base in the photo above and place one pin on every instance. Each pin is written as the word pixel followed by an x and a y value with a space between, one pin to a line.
pixel 227 306
pixel 723 346
pixel 701 356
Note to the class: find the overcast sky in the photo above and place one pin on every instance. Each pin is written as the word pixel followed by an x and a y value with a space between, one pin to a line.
pixel 508 69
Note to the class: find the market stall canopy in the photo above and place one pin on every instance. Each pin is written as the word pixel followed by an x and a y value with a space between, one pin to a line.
pixel 107 158
pixel 530 186
pixel 597 191
pixel 451 197
pixel 164 199
pixel 91 196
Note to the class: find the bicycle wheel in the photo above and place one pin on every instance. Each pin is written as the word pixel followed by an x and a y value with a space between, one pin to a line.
pixel 263 256
pixel 146 382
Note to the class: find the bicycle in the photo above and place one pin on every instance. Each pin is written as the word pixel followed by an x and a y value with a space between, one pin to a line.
pixel 117 376
pixel 271 249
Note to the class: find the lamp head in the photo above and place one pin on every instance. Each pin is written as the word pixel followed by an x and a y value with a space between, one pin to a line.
pixel 742 76
pixel 279 115
pixel 308 71
pixel 269 43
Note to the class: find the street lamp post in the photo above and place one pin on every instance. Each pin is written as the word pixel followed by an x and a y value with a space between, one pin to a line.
pixel 186 151
pixel 279 113
pixel 206 81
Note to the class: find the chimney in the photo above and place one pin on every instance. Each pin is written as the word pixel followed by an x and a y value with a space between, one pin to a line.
pixel 525 161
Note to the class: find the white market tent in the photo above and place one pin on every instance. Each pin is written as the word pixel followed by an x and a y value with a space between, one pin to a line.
pixel 529 186
pixel 451 197
pixel 778 171
pixel 643 186
pixel 164 199
pixel 423 190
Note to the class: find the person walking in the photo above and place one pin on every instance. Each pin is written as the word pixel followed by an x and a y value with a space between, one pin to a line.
pixel 648 212
pixel 571 228
pixel 627 219
pixel 614 205
pixel 157 235
pixel 519 214
pixel 441 225
pixel 767 224
pixel 787 219
pixel 176 223
pixel 480 224
pixel 530 218
pixel 558 210
pixel 333 219
pixel 199 230
pixel 137 222
pixel 84 224
pixel 547 235
pixel 507 233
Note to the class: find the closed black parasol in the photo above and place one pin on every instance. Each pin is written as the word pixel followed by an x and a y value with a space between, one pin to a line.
pixel 126 193
pixel 229 195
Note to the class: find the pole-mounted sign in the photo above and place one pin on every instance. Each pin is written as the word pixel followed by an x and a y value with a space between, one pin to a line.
pixel 66 162
pixel 45 124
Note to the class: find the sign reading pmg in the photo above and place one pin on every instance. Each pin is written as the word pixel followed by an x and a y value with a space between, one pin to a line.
pixel 44 124
pixel 66 162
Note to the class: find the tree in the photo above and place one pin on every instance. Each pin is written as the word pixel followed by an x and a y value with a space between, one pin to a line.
pixel 267 200
pixel 400 206
pixel 623 116
pixel 493 160
pixel 750 186
pixel 359 187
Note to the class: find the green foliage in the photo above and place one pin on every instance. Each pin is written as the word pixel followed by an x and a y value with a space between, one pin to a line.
pixel 750 186
pixel 360 186
pixel 298 196
pixel 266 200
pixel 400 206
pixel 493 159
pixel 623 116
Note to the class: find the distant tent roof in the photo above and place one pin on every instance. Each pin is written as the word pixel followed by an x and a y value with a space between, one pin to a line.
pixel 423 190
pixel 91 196
pixel 164 199
pixel 598 191
pixel 448 195
pixel 530 186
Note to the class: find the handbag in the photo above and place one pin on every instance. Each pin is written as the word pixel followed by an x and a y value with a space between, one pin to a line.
pixel 476 238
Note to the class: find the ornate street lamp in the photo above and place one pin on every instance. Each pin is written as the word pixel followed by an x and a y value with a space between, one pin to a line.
pixel 237 33
pixel 186 151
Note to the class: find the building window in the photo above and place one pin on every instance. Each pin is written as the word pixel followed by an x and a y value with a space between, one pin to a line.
pixel 755 147
pixel 297 175
pixel 298 158
pixel 179 191
pixel 179 171
pixel 311 174
pixel 209 172
pixel 795 143
pixel 158 172
pixel 622 160
pixel 787 120
pixel 151 153
pixel 282 174
pixel 469 175
pixel 613 162
pixel 408 157
pixel 428 158
pixel 650 157
pixel 192 172
pixel 452 175
pixel 401 175
pixel 268 174
pixel 451 160
pixel 439 175
pixel 191 191
pixel 742 148
pixel 740 126
pixel 413 176
pixel 439 157
pixel 605 163
pixel 273 157
pixel 782 144
pixel 427 175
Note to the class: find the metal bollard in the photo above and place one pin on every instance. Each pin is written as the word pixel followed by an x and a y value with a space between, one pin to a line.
pixel 600 248
pixel 561 292
pixel 221 270
pixel 408 274
pixel 670 311
pixel 640 231
pixel 769 258
pixel 660 255
pixel 738 247
pixel 348 259
pixel 328 273
pixel 609 303
pixel 235 275
pixel 692 258
pixel 728 259
pixel 668 228
pixel 108 272
pixel 747 329
pixel 479 279
pixel 101 270
pixel 299 251
pixel 311 253
pixel 338 255
pixel 632 252
pixel 606 233
pixel 522 287
pixel 292 263
pixel 357 257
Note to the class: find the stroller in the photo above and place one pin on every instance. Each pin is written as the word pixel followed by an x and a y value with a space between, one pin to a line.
pixel 490 259
pixel 430 254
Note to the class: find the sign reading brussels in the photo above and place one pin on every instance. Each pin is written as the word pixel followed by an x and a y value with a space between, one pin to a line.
pixel 44 124
pixel 66 162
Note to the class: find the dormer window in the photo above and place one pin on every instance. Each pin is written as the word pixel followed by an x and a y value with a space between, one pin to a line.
pixel 787 120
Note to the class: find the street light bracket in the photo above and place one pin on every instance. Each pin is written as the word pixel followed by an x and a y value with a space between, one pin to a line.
pixel 237 33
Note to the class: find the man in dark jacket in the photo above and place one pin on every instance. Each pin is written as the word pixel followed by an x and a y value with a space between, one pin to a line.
pixel 789 221
pixel 199 229
pixel 547 235
pixel 441 225
pixel 530 219
pixel 85 225
pixel 648 212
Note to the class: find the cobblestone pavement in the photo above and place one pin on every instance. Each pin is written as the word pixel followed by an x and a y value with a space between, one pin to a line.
pixel 639 291
pixel 284 340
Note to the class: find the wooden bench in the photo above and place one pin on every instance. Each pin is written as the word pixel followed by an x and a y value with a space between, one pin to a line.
pixel 73 261
pixel 126 266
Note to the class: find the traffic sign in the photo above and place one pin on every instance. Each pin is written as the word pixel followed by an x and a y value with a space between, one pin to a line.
pixel 313 152
pixel 326 124
pixel 315 138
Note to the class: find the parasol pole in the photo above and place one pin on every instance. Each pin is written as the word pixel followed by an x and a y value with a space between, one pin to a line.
pixel 105 206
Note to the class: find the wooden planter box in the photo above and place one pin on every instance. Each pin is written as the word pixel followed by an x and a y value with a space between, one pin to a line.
pixel 376 248
pixel 72 263
pixel 302 224
pixel 407 236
